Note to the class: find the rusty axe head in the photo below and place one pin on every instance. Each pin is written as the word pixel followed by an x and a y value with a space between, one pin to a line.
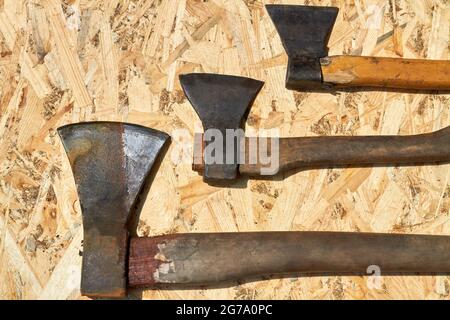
pixel 304 32
pixel 110 162
pixel 221 103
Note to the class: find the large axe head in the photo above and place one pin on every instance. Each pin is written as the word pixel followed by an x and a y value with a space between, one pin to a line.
pixel 304 32
pixel 110 162
pixel 221 103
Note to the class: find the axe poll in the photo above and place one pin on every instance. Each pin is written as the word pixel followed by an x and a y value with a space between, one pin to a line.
pixel 222 103
pixel 110 162
pixel 305 31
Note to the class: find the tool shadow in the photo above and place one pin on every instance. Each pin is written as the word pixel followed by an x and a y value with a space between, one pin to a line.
pixel 242 181
pixel 336 90
pixel 288 173
pixel 137 293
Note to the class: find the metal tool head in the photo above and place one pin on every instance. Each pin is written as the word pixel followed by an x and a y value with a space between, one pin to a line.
pixel 110 162
pixel 304 32
pixel 221 103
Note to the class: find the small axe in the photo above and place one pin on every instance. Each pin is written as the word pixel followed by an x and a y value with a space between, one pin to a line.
pixel 305 31
pixel 222 103
pixel 110 162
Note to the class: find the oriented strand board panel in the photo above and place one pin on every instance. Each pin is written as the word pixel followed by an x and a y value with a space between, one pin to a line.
pixel 76 60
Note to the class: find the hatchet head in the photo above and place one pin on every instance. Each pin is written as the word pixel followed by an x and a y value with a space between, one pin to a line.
pixel 304 32
pixel 110 162
pixel 221 102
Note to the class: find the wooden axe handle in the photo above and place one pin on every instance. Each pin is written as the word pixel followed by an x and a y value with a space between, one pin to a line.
pixel 349 71
pixel 203 259
pixel 314 152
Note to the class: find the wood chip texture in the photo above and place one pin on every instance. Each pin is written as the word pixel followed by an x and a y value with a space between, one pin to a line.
pixel 67 61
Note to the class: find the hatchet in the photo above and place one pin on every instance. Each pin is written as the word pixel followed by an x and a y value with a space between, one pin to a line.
pixel 110 162
pixel 305 31
pixel 222 103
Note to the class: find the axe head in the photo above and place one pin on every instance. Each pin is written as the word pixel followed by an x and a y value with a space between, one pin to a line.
pixel 110 162
pixel 304 32
pixel 221 103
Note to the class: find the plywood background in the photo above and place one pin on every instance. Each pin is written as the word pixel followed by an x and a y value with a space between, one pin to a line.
pixel 76 60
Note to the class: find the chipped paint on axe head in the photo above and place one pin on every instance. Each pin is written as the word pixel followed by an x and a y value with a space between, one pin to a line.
pixel 221 102
pixel 110 162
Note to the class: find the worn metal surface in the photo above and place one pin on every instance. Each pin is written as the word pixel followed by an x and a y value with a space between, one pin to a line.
pixel 110 162
pixel 304 32
pixel 221 102
pixel 223 257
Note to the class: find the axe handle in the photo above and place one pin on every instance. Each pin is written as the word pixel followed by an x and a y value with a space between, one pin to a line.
pixel 351 71
pixel 317 152
pixel 204 259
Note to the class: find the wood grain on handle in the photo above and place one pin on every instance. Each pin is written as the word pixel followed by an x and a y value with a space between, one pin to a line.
pixel 311 152
pixel 346 71
pixel 220 257
pixel 314 152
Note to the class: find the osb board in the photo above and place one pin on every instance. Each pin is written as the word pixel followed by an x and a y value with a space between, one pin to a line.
pixel 76 60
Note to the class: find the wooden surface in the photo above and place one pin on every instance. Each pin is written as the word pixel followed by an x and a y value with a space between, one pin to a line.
pixel 77 60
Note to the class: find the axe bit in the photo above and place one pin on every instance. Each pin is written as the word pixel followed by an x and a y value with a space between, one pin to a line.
pixel 305 31
pixel 110 162
pixel 223 101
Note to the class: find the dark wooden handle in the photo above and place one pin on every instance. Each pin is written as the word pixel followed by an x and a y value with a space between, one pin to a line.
pixel 347 71
pixel 213 258
pixel 312 152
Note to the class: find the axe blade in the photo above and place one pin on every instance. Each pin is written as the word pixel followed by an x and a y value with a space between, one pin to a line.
pixel 221 102
pixel 304 30
pixel 304 33
pixel 110 162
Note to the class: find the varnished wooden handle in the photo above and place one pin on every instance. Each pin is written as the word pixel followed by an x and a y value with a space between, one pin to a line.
pixel 311 152
pixel 220 257
pixel 346 71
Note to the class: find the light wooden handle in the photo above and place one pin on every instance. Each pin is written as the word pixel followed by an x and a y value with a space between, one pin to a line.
pixel 350 71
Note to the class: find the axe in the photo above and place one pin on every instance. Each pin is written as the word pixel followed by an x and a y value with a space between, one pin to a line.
pixel 305 31
pixel 222 103
pixel 110 162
